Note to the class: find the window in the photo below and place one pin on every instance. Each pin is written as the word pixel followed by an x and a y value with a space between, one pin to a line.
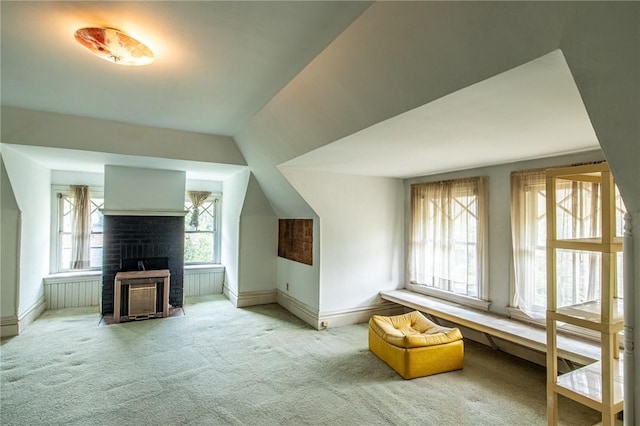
pixel 448 238
pixel 201 242
pixel 75 249
pixel 78 229
pixel 578 217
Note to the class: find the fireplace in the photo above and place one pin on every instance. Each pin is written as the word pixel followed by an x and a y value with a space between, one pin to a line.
pixel 141 294
pixel 143 243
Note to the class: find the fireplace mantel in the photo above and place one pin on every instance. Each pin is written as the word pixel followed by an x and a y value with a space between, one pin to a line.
pixel 108 212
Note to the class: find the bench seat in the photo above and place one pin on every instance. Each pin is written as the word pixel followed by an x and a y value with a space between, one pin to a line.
pixel 572 349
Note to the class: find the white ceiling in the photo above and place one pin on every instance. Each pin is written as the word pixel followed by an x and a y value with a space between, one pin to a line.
pixel 94 162
pixel 219 63
pixel 531 111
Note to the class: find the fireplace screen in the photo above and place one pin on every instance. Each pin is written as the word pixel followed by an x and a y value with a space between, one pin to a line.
pixel 142 300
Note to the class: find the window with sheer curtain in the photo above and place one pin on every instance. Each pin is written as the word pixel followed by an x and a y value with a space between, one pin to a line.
pixel 448 237
pixel 79 228
pixel 578 216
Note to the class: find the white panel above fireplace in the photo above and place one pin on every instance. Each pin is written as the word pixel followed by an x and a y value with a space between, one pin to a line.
pixel 139 191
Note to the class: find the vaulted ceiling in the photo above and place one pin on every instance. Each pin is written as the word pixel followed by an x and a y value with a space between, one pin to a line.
pixel 220 64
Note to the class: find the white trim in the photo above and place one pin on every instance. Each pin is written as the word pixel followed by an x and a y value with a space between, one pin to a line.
pixel 249 298
pixel 358 315
pixel 216 199
pixel 333 319
pixel 8 326
pixel 301 310
pixel 230 294
pixel 252 298
pixel 72 277
pixel 471 302
pixel 204 267
pixel 31 314
pixel 144 212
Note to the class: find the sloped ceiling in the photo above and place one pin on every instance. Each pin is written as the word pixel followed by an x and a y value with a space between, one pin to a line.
pixel 217 62
pixel 287 78
pixel 531 111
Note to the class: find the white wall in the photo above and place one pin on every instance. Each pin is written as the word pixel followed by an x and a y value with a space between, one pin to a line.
pixel 63 177
pixel 212 186
pixel 26 127
pixel 360 235
pixel 132 188
pixel 234 188
pixel 32 188
pixel 299 280
pixel 500 245
pixel 258 242
pixel 9 234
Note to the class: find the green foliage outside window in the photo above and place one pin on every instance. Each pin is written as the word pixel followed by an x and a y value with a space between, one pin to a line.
pixel 199 244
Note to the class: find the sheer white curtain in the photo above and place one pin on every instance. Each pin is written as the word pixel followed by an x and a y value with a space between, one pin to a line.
pixel 577 216
pixel 80 227
pixel 448 235
pixel 528 231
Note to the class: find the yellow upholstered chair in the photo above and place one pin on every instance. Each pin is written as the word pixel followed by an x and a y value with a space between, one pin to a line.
pixel 414 346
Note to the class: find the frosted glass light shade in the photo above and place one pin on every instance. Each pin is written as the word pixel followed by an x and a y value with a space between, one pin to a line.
pixel 114 46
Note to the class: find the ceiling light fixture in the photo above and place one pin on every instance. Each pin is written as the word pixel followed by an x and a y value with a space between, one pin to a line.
pixel 114 46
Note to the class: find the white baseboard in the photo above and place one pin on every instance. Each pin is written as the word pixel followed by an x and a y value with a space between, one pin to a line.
pixel 324 320
pixel 9 326
pixel 301 310
pixel 252 298
pixel 230 294
pixel 249 298
pixel 31 314
pixel 357 315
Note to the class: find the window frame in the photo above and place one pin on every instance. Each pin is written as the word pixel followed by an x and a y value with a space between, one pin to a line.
pixel 216 198
pixel 537 313
pixel 481 301
pixel 58 192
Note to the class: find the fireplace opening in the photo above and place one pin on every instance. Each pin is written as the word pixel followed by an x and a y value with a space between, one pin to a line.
pixel 144 264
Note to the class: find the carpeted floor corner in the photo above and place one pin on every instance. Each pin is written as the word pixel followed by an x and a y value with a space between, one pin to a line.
pixel 218 365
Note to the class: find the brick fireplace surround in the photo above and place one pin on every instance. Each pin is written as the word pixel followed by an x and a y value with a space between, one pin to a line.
pixel 135 237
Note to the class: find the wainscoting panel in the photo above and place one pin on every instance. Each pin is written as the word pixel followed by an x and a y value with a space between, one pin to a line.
pixel 202 281
pixel 72 292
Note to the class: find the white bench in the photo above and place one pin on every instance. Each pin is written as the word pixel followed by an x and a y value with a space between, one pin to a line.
pixel 570 349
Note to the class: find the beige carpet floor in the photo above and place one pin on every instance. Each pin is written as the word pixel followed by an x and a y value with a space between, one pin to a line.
pixel 218 365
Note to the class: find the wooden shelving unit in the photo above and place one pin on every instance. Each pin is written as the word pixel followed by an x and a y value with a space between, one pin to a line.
pixel 598 385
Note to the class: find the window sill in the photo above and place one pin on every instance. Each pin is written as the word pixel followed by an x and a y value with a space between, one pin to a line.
pixel 199 266
pixel 65 277
pixel 75 276
pixel 467 301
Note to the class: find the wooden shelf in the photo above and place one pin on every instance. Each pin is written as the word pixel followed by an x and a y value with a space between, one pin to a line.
pixel 585 385
pixel 589 315
pixel 599 385
pixel 588 244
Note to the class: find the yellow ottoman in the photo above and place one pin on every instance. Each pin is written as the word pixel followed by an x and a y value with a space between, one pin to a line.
pixel 414 346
